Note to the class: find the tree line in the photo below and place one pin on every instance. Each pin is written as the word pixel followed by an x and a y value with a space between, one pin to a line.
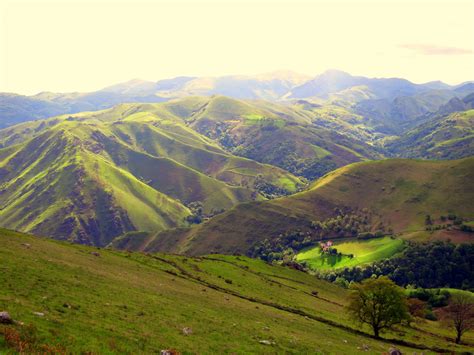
pixel 426 265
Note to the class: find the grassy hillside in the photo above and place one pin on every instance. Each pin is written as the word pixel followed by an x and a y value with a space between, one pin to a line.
pixel 288 136
pixel 15 108
pixel 396 115
pixel 308 137
pixel 390 196
pixel 18 108
pixel 91 177
pixel 79 299
pixel 53 185
pixel 337 117
pixel 285 136
pixel 447 137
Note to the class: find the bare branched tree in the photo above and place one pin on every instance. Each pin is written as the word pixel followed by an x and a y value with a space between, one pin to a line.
pixel 460 314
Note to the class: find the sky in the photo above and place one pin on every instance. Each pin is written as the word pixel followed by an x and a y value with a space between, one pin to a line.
pixel 68 46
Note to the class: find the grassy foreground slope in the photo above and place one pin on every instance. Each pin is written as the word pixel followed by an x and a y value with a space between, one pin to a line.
pixel 397 195
pixel 81 299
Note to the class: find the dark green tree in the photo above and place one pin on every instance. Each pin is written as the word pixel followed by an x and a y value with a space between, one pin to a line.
pixel 378 302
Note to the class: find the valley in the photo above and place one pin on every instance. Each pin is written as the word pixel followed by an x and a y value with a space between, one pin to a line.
pixel 235 214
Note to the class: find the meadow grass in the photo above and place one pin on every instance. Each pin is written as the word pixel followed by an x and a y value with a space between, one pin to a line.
pixel 84 299
pixel 363 251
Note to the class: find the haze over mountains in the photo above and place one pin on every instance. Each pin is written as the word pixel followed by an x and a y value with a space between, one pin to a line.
pixel 281 85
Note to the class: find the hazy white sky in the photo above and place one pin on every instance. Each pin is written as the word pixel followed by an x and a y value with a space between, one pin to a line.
pixel 86 45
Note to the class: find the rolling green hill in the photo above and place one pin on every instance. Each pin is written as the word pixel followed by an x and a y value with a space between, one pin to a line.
pixel 396 115
pixel 284 136
pixel 94 176
pixel 292 137
pixel 77 299
pixel 364 119
pixel 18 108
pixel 390 196
pixel 91 177
pixel 446 137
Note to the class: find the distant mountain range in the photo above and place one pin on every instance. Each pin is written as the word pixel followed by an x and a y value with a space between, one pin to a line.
pixel 276 86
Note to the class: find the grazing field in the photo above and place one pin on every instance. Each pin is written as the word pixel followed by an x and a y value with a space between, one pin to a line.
pixel 363 251
pixel 79 299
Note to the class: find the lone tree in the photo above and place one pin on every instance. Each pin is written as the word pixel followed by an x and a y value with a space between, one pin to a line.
pixel 380 303
pixel 460 313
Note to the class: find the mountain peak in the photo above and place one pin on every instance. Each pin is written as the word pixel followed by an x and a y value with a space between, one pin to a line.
pixel 286 75
pixel 131 87
pixel 334 73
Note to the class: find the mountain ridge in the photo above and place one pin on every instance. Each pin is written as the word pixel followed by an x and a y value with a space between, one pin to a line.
pixel 397 195
pixel 91 177
pixel 275 86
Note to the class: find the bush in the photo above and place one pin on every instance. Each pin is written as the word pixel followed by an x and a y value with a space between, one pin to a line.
pixel 342 282
pixel 430 315
pixel 416 307
pixel 434 298
pixel 24 340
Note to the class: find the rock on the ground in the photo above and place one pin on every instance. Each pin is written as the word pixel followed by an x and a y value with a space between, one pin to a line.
pixel 394 351
pixel 267 342
pixel 5 318
pixel 187 331
pixel 364 347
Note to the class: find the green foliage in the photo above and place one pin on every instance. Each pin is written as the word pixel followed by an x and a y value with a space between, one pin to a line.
pixel 379 303
pixel 425 265
pixel 346 223
pixel 433 297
